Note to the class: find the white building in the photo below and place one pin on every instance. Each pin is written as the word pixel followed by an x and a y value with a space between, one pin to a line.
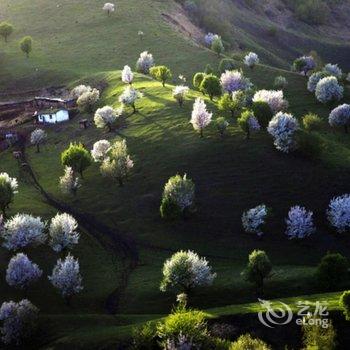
pixel 52 116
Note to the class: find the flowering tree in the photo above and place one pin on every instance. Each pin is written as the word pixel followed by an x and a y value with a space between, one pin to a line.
pixel 179 93
pixel 209 38
pixel 127 75
pixel 100 150
pixel 129 97
pixel 66 277
pixel 79 90
pixel 37 137
pixel 21 272
pixel 8 189
pixel 62 232
pixel 329 90
pixel 201 118
pixel 145 62
pixel 314 79
pixel 178 196
pixel 333 70
pixel 304 64
pixel 299 223
pixel 23 230
pixel 282 128
pixel 234 80
pixel 338 213
pixel 88 99
pixel 274 98
pixel 248 123
pixel 118 164
pixel 161 73
pixel 340 116
pixel 186 270
pixel 254 219
pixel 108 7
pixel 251 60
pixel 19 321
pixel 69 183
pixel 105 117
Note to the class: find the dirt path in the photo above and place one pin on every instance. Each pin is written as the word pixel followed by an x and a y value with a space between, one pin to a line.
pixel 111 239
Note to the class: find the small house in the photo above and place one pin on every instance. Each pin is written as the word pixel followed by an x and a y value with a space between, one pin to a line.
pixel 52 116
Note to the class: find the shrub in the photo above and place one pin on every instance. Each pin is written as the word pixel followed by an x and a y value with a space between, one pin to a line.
pixel 247 342
pixel 6 30
pixel 226 64
pixel 329 90
pixel 105 117
pixel 8 189
pixel 309 144
pixel 211 86
pixel 208 69
pixel 248 123
pixel 221 124
pixel 26 45
pixel 77 157
pixel 161 73
pixel 144 337
pixel 233 103
pixel 209 38
pixel 345 304
pixel 280 82
pixel 87 100
pixel 332 270
pixel 251 60
pixel 312 11
pixel 333 70
pixel 145 62
pixel 312 122
pixel 69 183
pixel 185 271
pixel 178 196
pixel 258 269
pixel 197 79
pixel 217 46
pixel 179 93
pixel 314 79
pixel 304 64
pixel 262 112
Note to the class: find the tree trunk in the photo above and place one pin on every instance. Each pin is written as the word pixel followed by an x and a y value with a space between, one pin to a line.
pixel 134 107
pixel 120 181
pixel 81 174
pixel 346 129
pixel 37 148
pixel 201 133
pixel 163 82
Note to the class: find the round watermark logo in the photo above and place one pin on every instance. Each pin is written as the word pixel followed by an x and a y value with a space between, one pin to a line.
pixel 278 315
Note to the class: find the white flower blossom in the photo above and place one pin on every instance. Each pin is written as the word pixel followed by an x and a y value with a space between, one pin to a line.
pixel 314 79
pixel 274 98
pixel 62 232
pixel 283 127
pixel 108 7
pixel 23 230
pixel 232 81
pixel 145 62
pixel 201 118
pixel 329 90
pixel 130 96
pixel 179 93
pixel 251 59
pixel 79 90
pixel 37 137
pixel 340 116
pixel 105 117
pixel 127 75
pixel 338 213
pixel 21 272
pixel 69 183
pixel 333 70
pixel 100 150
pixel 299 223
pixel 253 219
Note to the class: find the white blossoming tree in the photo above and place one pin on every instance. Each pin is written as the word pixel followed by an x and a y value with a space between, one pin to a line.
pixel 100 150
pixel 37 137
pixel 179 94
pixel 178 197
pixel 19 321
pixel 251 60
pixel 314 79
pixel 88 99
pixel 23 230
pixel 340 117
pixel 117 164
pixel 69 183
pixel 127 75
pixel 108 8
pixel 145 62
pixel 21 272
pixel 232 81
pixel 328 90
pixel 129 97
pixel 282 128
pixel 274 98
pixel 185 270
pixel 67 278
pixel 63 232
pixel 105 117
pixel 8 189
pixel 79 90
pixel 304 64
pixel 338 213
pixel 253 220
pixel 201 118
pixel 334 70
pixel 299 223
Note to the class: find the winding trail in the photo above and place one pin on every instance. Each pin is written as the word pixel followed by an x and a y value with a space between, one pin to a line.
pixel 110 239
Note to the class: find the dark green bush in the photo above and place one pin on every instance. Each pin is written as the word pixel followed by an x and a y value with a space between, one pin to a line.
pixel 345 304
pixel 169 209
pixel 197 79
pixel 227 64
pixel 144 337
pixel 309 145
pixel 262 112
pixel 312 122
